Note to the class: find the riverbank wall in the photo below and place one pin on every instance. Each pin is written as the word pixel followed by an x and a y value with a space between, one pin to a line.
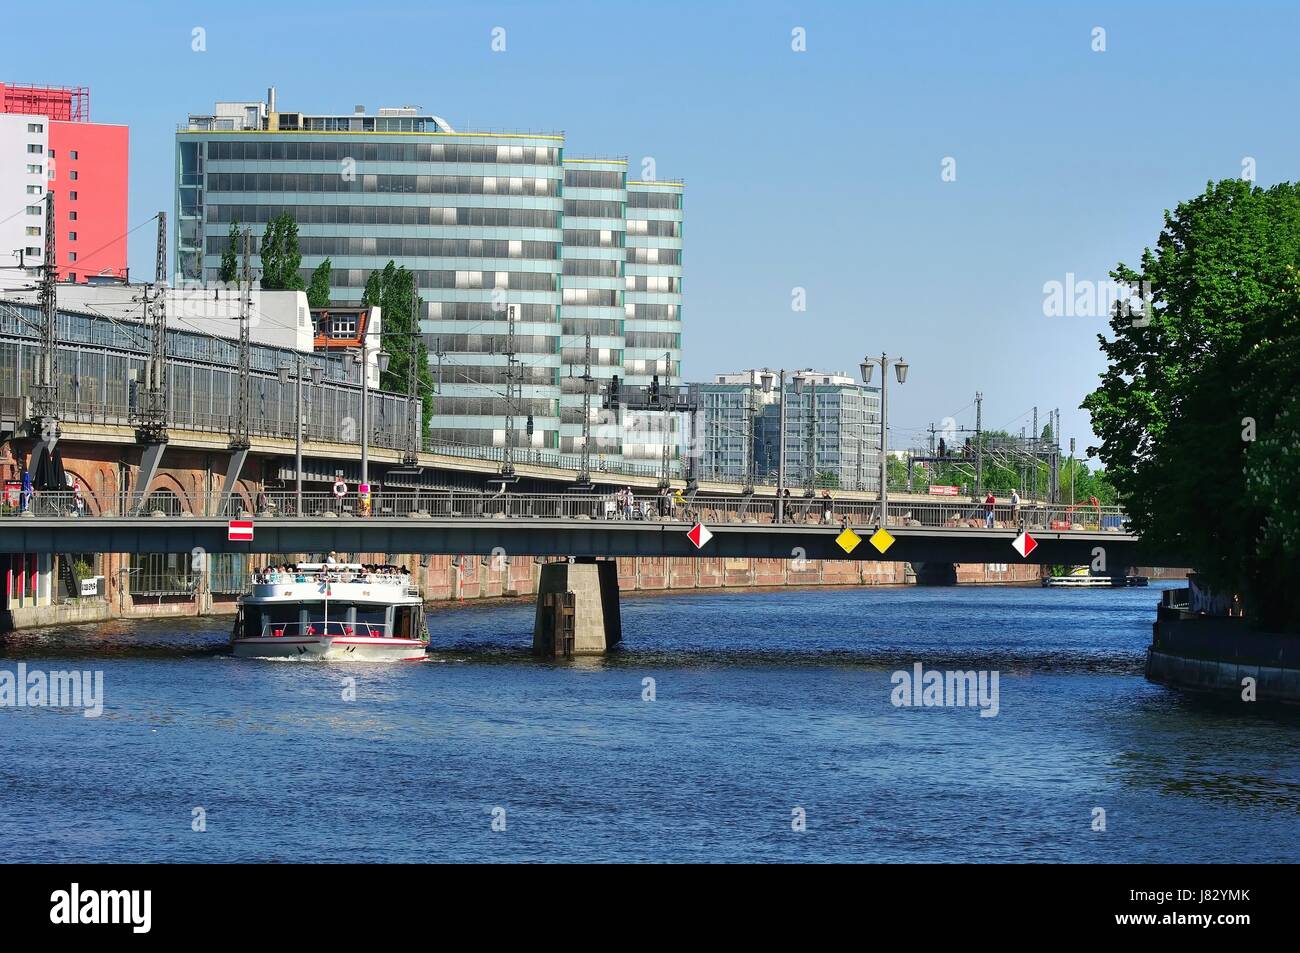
pixel 1222 656
pixel 454 579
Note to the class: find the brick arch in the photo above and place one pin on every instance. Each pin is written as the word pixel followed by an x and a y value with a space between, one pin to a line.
pixel 246 490
pixel 168 481
pixel 94 506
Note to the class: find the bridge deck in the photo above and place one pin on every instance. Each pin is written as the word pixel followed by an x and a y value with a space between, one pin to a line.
pixel 525 536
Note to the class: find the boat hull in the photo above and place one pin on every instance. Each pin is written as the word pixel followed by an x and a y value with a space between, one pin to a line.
pixel 331 648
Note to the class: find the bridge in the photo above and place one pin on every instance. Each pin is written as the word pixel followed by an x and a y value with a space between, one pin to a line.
pixel 170 497
pixel 582 525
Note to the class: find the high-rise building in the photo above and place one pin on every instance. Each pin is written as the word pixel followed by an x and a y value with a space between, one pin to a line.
pixel 740 428
pixel 493 225
pixel 49 144
pixel 595 229
pixel 652 307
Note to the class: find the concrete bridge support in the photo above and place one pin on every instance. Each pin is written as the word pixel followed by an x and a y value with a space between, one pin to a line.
pixel 596 624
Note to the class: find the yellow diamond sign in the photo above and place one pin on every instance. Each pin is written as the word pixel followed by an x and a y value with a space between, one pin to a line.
pixel 881 540
pixel 848 540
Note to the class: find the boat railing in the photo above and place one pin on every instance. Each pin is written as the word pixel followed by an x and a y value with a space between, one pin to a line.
pixel 277 630
pixel 271 577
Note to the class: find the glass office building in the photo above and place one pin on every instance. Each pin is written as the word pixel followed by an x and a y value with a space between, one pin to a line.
pixel 595 198
pixel 490 223
pixel 837 437
pixel 652 308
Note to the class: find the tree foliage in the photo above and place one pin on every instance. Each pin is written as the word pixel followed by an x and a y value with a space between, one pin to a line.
pixel 230 257
pixel 1031 482
pixel 318 291
pixel 281 258
pixel 1197 410
pixel 392 290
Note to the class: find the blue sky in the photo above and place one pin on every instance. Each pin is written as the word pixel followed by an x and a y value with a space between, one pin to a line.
pixel 818 169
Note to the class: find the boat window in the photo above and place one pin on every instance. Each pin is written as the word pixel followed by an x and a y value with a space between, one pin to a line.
pixel 267 618
pixel 373 616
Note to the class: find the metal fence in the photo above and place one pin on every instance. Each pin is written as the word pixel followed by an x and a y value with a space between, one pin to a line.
pixel 478 504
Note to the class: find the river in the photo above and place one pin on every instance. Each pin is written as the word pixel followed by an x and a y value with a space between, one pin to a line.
pixel 769 732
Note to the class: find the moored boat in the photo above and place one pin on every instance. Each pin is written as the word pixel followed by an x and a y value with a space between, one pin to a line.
pixel 333 612
pixel 1084 578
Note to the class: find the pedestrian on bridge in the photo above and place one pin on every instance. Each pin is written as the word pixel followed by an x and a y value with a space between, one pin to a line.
pixel 25 493
pixel 1015 507
pixel 989 502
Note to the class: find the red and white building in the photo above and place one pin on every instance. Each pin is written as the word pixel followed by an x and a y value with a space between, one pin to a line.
pixel 48 143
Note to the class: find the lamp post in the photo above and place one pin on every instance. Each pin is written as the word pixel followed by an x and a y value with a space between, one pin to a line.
pixel 810 488
pixel 900 371
pixel 1071 472
pixel 317 375
pixel 766 380
pixel 362 358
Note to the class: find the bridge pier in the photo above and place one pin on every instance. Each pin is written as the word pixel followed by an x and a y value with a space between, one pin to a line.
pixel 595 623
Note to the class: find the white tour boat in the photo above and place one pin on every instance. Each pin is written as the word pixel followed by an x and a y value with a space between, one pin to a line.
pixel 335 612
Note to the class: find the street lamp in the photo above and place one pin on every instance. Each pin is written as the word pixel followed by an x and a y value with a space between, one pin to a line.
pixel 362 358
pixel 799 379
pixel 317 375
pixel 900 372
pixel 766 379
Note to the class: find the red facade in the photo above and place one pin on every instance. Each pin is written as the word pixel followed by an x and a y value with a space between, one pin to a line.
pixel 97 155
pixel 87 165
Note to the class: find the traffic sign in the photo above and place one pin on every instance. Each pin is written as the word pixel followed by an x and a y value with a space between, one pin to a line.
pixel 699 535
pixel 1024 544
pixel 340 489
pixel 882 539
pixel 240 531
pixel 848 540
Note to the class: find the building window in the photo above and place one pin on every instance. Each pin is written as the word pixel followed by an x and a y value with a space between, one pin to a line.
pixel 33 210
pixel 72 236
pixel 72 196
pixel 73 175
pixel 33 230
pixel 33 251
pixel 72 154
pixel 72 276
pixel 35 169
pixel 35 148
pixel 35 127
pixel 72 256
pixel 72 216
pixel 343 326
pixel 34 190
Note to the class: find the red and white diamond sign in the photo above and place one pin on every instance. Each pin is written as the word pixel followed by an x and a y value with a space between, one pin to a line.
pixel 1024 544
pixel 240 531
pixel 699 535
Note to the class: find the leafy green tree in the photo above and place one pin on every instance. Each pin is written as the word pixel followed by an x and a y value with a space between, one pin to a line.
pixel 230 257
pixel 391 289
pixel 280 254
pixel 896 470
pixel 318 292
pixel 1197 408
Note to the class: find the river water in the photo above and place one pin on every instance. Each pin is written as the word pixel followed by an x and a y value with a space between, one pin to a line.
pixel 768 712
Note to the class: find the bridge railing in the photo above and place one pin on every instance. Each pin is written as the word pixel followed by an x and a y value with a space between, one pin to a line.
pixel 478 504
